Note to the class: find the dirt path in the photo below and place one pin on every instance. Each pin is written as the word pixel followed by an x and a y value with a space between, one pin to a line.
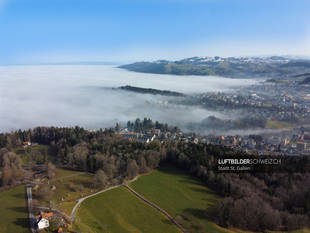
pixel 79 201
pixel 156 207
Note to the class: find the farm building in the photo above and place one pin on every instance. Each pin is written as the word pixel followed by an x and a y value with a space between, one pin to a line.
pixel 26 144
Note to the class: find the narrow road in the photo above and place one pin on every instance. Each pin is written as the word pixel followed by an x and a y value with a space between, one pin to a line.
pixel 84 198
pixel 79 201
pixel 32 219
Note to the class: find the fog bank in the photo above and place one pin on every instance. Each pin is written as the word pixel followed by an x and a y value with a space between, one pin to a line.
pixel 73 95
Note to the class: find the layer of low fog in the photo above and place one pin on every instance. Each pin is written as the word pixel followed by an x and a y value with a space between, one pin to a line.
pixel 79 95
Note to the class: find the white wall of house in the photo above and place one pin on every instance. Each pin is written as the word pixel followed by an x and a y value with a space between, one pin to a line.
pixel 43 223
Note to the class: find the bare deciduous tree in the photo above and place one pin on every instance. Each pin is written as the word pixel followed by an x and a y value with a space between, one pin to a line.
pixel 51 170
pixel 132 169
pixel 100 178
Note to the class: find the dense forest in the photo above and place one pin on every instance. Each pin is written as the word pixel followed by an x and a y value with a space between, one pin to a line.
pixel 151 91
pixel 145 125
pixel 251 201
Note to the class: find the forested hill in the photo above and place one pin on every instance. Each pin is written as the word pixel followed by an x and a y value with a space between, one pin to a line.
pixel 306 81
pixel 243 67
pixel 150 91
pixel 251 201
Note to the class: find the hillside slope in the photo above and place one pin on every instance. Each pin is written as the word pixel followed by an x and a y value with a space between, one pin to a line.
pixel 227 67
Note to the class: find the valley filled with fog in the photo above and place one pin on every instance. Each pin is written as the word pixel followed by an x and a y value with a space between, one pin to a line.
pixel 66 95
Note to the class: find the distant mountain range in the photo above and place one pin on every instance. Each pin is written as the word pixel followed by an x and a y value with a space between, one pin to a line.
pixel 234 67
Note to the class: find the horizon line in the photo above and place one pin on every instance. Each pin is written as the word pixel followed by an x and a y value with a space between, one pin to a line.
pixel 305 57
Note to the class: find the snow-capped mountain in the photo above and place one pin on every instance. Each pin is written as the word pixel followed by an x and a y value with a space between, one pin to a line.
pixel 236 67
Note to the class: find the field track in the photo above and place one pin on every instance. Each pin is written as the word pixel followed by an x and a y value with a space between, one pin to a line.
pixel 79 201
pixel 156 207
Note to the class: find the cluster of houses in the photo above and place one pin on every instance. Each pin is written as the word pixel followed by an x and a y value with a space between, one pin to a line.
pixel 142 137
pixel 43 220
pixel 274 101
pixel 295 143
pixel 302 144
pixel 289 143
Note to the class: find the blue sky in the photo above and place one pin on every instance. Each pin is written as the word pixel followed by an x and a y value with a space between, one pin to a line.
pixel 40 31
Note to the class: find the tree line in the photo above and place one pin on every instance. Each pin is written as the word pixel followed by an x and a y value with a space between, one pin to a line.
pixel 142 126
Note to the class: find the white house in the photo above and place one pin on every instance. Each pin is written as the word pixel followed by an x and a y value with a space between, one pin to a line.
pixel 43 223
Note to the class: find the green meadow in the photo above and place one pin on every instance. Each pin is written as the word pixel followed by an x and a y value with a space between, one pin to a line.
pixel 118 210
pixel 13 211
pixel 70 186
pixel 182 196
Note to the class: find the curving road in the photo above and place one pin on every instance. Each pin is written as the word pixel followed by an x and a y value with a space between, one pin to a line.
pixel 94 194
pixel 84 198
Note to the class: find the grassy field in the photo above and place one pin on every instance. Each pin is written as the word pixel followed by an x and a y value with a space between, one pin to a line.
pixel 278 124
pixel 299 231
pixel 70 186
pixel 181 196
pixel 66 195
pixel 63 173
pixel 13 211
pixel 119 211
